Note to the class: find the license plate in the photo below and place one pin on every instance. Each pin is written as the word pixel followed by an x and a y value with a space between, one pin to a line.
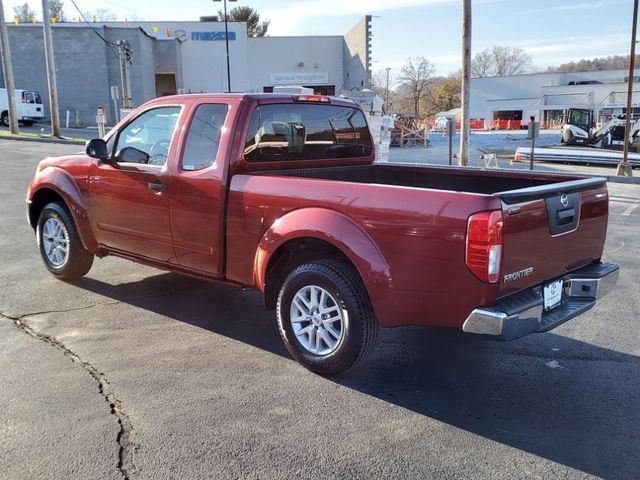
pixel 552 294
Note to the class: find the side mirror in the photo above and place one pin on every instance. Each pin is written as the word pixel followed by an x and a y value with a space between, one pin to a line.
pixel 97 148
pixel 132 155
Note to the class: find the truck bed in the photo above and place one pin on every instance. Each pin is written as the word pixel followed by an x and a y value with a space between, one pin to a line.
pixel 437 178
pixel 417 216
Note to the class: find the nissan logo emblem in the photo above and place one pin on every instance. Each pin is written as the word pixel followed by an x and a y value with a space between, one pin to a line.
pixel 564 200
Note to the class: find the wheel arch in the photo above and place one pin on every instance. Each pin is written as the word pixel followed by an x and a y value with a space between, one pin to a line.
pixel 312 234
pixel 58 186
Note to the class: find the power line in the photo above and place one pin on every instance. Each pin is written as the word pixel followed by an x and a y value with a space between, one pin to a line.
pixel 111 44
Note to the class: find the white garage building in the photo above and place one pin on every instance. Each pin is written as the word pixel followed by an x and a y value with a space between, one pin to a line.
pixel 547 96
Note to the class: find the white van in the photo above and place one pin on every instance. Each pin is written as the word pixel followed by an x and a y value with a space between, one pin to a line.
pixel 29 106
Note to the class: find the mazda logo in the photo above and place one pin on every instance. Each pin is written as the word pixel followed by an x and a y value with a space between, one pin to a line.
pixel 564 200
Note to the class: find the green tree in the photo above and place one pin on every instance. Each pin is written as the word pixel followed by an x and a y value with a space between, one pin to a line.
pixel 255 28
pixel 444 95
pixel 23 13
pixel 55 10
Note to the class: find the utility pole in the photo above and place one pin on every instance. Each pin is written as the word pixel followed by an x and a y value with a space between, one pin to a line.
pixel 624 167
pixel 51 69
pixel 466 81
pixel 386 90
pixel 7 69
pixel 124 53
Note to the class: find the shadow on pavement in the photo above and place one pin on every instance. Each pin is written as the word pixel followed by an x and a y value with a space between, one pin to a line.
pixel 582 411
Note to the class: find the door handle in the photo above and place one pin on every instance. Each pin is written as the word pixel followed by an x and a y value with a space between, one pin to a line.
pixel 156 186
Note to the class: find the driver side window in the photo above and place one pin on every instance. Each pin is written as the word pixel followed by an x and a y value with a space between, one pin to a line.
pixel 147 138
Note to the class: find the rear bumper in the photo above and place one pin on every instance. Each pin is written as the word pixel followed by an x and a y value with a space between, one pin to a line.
pixel 523 313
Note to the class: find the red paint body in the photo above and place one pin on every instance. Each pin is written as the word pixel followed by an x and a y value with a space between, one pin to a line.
pixel 225 222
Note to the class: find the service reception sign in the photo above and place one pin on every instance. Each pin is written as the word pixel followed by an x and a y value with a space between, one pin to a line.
pixel 300 78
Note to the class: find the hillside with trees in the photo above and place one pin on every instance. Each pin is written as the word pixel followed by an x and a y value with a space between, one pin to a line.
pixel 612 62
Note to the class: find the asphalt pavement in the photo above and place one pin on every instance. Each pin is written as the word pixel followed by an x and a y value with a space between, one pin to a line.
pixel 138 373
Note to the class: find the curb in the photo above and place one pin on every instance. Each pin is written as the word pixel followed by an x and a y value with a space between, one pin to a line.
pixel 61 141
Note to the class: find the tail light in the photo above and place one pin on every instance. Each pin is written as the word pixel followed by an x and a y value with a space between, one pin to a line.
pixel 484 245
pixel 517 157
pixel 312 98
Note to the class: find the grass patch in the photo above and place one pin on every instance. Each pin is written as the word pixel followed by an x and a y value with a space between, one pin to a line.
pixel 40 136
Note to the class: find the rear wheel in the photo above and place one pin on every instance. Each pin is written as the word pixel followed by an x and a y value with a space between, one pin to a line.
pixel 60 246
pixel 27 123
pixel 325 317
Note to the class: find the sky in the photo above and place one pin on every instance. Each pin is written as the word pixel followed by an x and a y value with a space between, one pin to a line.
pixel 551 31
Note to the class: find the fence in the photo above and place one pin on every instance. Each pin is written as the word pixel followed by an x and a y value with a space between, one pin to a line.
pixel 500 124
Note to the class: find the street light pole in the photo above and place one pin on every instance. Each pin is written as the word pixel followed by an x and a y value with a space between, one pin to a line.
pixel 226 40
pixel 624 167
pixel 386 90
pixel 7 68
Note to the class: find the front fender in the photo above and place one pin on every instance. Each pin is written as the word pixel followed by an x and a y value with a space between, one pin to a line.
pixel 334 228
pixel 61 182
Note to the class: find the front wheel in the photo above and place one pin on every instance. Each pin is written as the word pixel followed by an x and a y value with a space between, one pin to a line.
pixel 60 246
pixel 325 317
pixel 4 119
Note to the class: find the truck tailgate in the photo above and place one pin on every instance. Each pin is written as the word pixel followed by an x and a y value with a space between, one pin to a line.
pixel 550 230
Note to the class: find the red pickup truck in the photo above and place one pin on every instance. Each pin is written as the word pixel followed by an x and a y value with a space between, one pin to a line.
pixel 281 193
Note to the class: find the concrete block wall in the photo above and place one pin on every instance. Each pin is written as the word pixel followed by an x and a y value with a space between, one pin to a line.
pixel 86 66
pixel 80 68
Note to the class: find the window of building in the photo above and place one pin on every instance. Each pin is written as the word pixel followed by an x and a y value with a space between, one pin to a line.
pixel 148 137
pixel 306 132
pixel 204 135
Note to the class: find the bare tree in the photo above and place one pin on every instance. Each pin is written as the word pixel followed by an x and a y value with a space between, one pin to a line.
pixel 101 15
pixel 416 76
pixel 501 61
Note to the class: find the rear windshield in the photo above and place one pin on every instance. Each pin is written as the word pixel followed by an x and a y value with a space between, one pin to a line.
pixel 306 132
pixel 31 97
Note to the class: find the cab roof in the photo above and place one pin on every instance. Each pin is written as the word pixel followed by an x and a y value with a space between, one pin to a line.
pixel 261 98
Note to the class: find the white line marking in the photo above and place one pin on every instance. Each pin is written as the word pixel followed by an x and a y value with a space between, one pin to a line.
pixel 630 209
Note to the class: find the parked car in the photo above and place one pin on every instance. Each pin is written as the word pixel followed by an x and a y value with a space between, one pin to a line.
pixel 280 193
pixel 29 107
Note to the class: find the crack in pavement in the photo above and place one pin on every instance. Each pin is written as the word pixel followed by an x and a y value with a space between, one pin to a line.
pixel 126 445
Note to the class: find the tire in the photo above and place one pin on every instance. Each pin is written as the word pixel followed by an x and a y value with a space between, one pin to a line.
pixel 56 229
pixel 343 289
pixel 568 137
pixel 27 123
pixel 4 119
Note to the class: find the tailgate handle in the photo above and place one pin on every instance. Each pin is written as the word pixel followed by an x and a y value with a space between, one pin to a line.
pixel 566 216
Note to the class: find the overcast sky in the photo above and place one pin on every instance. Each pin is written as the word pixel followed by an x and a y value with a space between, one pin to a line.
pixel 552 31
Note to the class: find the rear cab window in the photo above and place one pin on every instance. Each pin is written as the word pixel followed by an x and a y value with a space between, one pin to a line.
pixel 203 139
pixel 281 132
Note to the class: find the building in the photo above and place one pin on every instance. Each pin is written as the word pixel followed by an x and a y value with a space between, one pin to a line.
pixel 174 57
pixel 547 96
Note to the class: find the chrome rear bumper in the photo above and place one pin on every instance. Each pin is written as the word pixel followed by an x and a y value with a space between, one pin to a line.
pixel 523 313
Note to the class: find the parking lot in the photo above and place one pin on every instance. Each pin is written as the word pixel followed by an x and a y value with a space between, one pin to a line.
pixel 138 373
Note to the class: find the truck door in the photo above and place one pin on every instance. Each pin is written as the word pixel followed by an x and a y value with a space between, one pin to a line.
pixel 198 187
pixel 129 197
